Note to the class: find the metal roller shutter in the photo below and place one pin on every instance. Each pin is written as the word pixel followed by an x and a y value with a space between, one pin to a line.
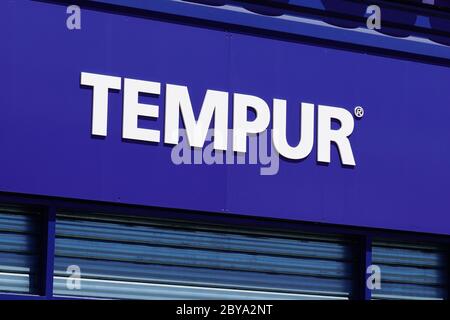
pixel 19 250
pixel 140 258
pixel 410 271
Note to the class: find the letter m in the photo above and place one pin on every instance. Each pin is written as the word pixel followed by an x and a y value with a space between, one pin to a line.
pixel 214 103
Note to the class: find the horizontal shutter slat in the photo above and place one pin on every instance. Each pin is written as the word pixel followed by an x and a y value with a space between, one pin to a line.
pixel 409 271
pixel 136 253
pixel 19 250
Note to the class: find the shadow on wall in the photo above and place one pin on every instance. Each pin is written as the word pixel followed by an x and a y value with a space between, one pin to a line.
pixel 397 22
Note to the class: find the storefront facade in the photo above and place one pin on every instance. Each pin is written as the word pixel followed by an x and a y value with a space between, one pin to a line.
pixel 112 186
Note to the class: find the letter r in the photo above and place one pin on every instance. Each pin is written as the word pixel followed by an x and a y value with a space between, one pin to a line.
pixel 326 135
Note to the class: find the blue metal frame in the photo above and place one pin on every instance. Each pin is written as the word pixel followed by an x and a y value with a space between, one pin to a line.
pixel 49 254
pixel 299 26
pixel 362 237
pixel 363 261
pixel 448 274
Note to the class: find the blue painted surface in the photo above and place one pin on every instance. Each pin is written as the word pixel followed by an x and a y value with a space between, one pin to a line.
pixel 401 179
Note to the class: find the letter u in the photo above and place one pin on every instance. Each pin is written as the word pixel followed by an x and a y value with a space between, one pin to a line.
pixel 304 147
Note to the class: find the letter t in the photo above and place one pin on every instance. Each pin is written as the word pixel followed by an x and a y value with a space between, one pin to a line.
pixel 101 85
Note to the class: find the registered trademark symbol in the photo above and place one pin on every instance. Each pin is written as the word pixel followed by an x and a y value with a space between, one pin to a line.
pixel 359 112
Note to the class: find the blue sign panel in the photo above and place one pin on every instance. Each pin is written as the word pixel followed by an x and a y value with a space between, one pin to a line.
pixel 373 131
